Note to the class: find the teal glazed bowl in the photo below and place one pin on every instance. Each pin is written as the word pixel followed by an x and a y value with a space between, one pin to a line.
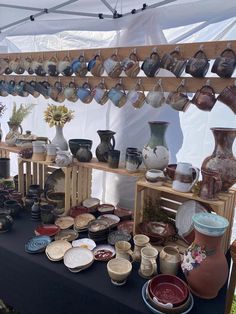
pixel 210 224
pixel 75 144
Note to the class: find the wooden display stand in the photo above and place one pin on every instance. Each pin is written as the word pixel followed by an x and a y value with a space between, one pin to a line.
pixel 170 200
pixel 5 150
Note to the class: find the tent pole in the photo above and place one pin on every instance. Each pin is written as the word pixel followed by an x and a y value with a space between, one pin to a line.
pixel 108 6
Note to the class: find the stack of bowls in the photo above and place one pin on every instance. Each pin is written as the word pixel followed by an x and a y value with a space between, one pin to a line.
pixel 81 222
pixel 77 259
pixel 167 294
pixel 98 230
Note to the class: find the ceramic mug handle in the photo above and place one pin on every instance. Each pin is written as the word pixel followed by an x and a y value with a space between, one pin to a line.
pixel 197 177
pixel 131 254
pixel 21 130
pixel 113 142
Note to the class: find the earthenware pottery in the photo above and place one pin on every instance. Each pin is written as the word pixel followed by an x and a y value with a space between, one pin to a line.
pixel 98 226
pixel 84 93
pixel 131 65
pixel 16 66
pixel 77 210
pixel 113 158
pixel 13 133
pixel 35 189
pixel 198 65
pixel 5 168
pixel 104 252
pixel 55 182
pixel 106 209
pixel 84 243
pixel 210 185
pixel 82 221
pixel 173 62
pixel 14 208
pixel 3 65
pixel 64 222
pixel 205 98
pixel 136 96
pixel 70 92
pixel 58 200
pixel 7 68
pixel 84 153
pixel 112 220
pixel 95 66
pixel 140 241
pixel 169 171
pixel 78 258
pixel 151 65
pixel 155 176
pixel 157 309
pixel 37 67
pixel 148 266
pixel 224 65
pixel 100 93
pixel 183 180
pixel 123 250
pixel 204 263
pixel 79 66
pixel 67 234
pixel 91 203
pixel 118 235
pixel 156 97
pixel 156 153
pixel 59 139
pixel 228 97
pixel 133 161
pixel 63 158
pixel 47 229
pixel 112 66
pixel 118 270
pixel 47 213
pixel 6 222
pixel 122 212
pixel 36 210
pixel 16 196
pixel 222 158
pixel 169 260
pixel 56 250
pixel 183 219
pixel 50 66
pixel 117 95
pixel 178 99
pixel 64 67
pixel 126 226
pixel 37 244
pixel 105 146
pixel 51 150
pixel 75 144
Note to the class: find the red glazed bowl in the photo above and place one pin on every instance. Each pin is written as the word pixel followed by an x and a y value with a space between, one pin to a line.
pixel 168 289
pixel 77 210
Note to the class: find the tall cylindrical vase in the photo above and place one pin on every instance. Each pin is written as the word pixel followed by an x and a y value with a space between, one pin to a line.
pixel 59 139
pixel 204 263
pixel 156 153
pixel 222 158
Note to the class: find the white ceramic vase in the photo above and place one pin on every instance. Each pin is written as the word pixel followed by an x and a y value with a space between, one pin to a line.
pixel 59 139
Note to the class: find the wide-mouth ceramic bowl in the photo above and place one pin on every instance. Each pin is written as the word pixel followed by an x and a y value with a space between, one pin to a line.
pixel 84 243
pixel 118 270
pixel 210 224
pixel 56 250
pixel 78 258
pixel 77 210
pixel 104 252
pixel 106 209
pixel 168 289
pixel 75 143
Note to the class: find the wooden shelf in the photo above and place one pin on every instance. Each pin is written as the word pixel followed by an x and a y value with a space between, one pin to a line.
pixel 5 149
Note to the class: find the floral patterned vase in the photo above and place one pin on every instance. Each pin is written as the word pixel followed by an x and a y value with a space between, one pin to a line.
pixel 156 153
pixel 204 263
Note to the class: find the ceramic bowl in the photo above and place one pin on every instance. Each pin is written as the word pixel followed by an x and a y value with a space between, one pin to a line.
pixel 106 209
pixel 126 226
pixel 77 210
pixel 155 176
pixel 168 289
pixel 104 252
pixel 118 235
pixel 158 232
pixel 92 204
pixel 112 220
pixel 119 269
pixel 210 224
pixel 123 213
pixel 56 250
pixel 82 221
pixel 75 143
pixel 67 234
pixel 64 222
pixel 84 243
pixel 49 230
pixel 37 244
pixel 170 171
pixel 78 258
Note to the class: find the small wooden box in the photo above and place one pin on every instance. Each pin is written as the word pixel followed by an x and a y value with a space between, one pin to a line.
pixel 170 200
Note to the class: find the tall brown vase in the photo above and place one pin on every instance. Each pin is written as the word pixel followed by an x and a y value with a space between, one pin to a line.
pixel 204 263
pixel 222 158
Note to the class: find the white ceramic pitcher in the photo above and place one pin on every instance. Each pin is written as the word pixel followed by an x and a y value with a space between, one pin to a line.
pixel 183 180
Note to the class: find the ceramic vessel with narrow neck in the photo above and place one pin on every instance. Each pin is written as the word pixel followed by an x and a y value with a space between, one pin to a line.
pixel 59 139
pixel 107 143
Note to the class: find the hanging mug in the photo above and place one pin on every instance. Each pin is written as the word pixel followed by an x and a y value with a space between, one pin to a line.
pixel 70 92
pixel 37 67
pixel 84 93
pixel 179 100
pixel 4 88
pixel 7 69
pixel 224 65
pixel 173 62
pixel 198 65
pixel 30 88
pixel 151 65
pixel 117 95
pixel 95 66
pixel 27 65
pixel 64 67
pixel 228 97
pixel 131 65
pixel 183 179
pixel 50 66
pixel 136 96
pixel 79 66
pixel 204 98
pixel 100 93
pixel 112 66
pixel 156 97
pixel 16 66
pixel 3 65
pixel 20 89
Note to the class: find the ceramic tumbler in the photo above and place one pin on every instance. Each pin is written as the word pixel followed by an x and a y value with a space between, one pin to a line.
pixel 140 241
pixel 148 266
pixel 123 250
pixel 113 158
pixel 133 161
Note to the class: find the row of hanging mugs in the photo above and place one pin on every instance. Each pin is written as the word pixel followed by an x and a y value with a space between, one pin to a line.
pixel 205 98
pixel 197 66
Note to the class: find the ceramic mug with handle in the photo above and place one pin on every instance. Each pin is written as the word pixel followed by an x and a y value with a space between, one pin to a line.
pixel 183 180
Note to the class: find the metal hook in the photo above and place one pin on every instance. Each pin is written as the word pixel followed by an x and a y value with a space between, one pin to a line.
pixel 228 45
pixel 139 81
pixel 134 50
pixel 182 83
pixel 201 47
pixel 159 82
pixel 99 52
pixel 115 51
pixel 120 81
pixel 154 49
pixel 208 82
pixel 177 48
pixel 102 80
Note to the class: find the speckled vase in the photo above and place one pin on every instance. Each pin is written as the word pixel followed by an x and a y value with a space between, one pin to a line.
pixel 222 158
pixel 156 153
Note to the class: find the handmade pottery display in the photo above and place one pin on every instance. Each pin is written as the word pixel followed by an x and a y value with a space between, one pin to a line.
pixel 211 184
pixel 56 250
pixel 77 259
pixel 47 229
pixel 169 171
pixel 105 146
pixel 140 241
pixel 6 222
pixel 169 260
pixel 37 244
pixel 204 263
pixel 222 158
pixel 39 151
pixel 75 144
pixel 59 139
pixel 118 270
pixel 118 235
pixel 136 96
pixel 178 99
pixel 148 265
pixel 123 250
pixel 156 153
pixel 64 222
pixel 100 93
pixel 122 212
pixel 84 93
pixel 58 200
pixel 67 234
pixel 183 179
pixel 15 130
pixel 95 66
pixel 84 243
pixel 104 252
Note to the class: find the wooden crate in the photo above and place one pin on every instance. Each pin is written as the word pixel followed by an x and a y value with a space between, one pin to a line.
pixel 77 183
pixel 170 200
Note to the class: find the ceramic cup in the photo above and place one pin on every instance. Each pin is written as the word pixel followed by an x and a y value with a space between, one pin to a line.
pixel 84 93
pixel 140 241
pixel 178 100
pixel 118 270
pixel 224 65
pixel 113 158
pixel 95 66
pixel 123 250
pixel 136 96
pixel 204 98
pixel 133 161
pixel 51 152
pixel 47 214
pixel 39 151
pixel 198 65
pixel 112 66
pixel 79 66
pixel 183 180
pixel 156 97
pixel 100 94
pixel 151 65
pixel 173 62
pixel 228 97
pixel 148 266
pixel 64 67
pixel 117 95
pixel 155 176
pixel 131 65
pixel 169 260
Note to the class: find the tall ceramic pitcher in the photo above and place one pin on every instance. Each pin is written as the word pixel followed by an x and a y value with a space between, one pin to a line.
pixel 107 143
pixel 13 133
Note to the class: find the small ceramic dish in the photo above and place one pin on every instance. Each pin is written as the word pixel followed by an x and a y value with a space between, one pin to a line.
pixel 37 244
pixel 155 176
pixel 123 213
pixel 78 210
pixel 56 250
pixel 79 269
pixel 84 243
pixel 118 235
pixel 64 222
pixel 104 252
pixel 67 234
pixel 82 221
pixel 78 257
pixel 126 226
pixel 92 204
pixel 112 220
pixel 106 209
pixel 98 226
pixel 49 230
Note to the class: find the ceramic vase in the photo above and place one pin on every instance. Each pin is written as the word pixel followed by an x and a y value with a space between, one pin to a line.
pixel 156 153
pixel 59 139
pixel 107 144
pixel 222 158
pixel 204 263
pixel 13 133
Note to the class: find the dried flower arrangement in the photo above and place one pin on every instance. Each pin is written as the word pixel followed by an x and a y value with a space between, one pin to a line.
pixel 18 114
pixel 2 109
pixel 57 115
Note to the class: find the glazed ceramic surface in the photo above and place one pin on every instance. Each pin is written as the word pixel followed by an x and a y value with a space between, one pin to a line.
pixel 104 252
pixel 170 260
pixel 118 235
pixel 119 269
pixel 67 234
pixel 82 221
pixel 64 222
pixel 91 203
pixel 59 139
pixel 78 257
pixel 126 226
pixel 183 179
pixel 55 182
pixel 49 230
pixel 148 265
pixel 37 244
pixel 56 250
pixel 84 243
pixel 112 220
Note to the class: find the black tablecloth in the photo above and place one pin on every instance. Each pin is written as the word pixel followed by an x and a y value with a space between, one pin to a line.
pixel 34 285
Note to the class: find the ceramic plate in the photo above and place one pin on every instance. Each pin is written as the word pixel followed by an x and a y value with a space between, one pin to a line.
pixel 78 257
pixel 84 243
pixel 183 219
pixel 106 209
pixel 154 310
pixel 64 222
pixel 126 226
pixel 55 182
pixel 98 226
pixel 118 235
pixel 37 244
pixel 79 269
pixel 91 203
pixel 77 210
pixel 113 220
pixel 56 250
pixel 123 213
pixel 82 221
pixel 49 230
pixel 104 252
pixel 67 234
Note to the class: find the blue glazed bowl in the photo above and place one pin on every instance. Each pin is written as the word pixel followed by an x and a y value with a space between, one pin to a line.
pixel 75 144
pixel 210 224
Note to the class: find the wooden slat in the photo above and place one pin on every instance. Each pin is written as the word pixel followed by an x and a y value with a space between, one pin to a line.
pixel 21 176
pixel 74 186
